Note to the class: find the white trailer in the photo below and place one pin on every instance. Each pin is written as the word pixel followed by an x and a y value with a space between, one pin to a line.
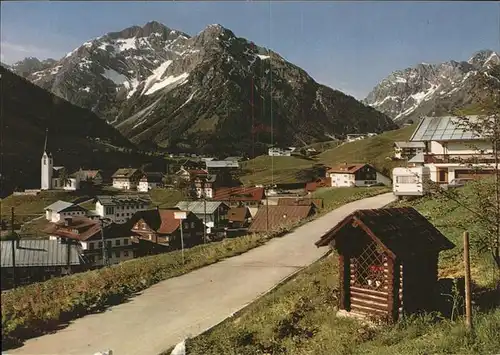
pixel 411 181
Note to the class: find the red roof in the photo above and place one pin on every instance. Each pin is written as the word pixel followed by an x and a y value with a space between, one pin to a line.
pixel 346 168
pixel 160 220
pixel 239 194
pixel 313 185
pixel 79 228
pixel 238 214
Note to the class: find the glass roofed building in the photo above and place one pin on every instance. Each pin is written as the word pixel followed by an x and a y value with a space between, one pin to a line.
pixel 453 150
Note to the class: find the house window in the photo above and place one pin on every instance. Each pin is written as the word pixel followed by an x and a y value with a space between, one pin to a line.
pixel 117 254
pixel 125 253
pixel 91 246
pixel 186 225
pixel 109 210
pixel 125 241
pixel 192 224
pixel 99 245
pixel 108 244
pixel 117 242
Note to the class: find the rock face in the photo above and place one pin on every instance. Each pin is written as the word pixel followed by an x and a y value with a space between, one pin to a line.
pixel 213 93
pixel 432 89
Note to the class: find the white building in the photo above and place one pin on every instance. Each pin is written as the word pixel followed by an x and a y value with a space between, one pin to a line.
pixel 279 152
pixel 150 181
pixel 61 209
pixel 351 175
pixel 120 208
pixel 358 136
pixel 126 178
pixel 452 151
pixel 411 181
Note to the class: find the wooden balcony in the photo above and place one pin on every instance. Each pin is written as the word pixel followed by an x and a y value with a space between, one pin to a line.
pixel 459 159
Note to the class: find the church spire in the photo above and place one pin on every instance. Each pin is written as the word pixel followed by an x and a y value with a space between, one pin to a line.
pixel 46 136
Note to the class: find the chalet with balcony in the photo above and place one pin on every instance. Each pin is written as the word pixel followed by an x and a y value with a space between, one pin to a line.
pixel 453 150
pixel 126 178
pixel 212 213
pixel 239 217
pixel 204 185
pixel 161 227
pixel 190 174
pixel 351 175
pixel 89 235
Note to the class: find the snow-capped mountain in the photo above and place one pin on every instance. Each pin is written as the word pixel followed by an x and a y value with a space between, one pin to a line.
pixel 212 92
pixel 431 89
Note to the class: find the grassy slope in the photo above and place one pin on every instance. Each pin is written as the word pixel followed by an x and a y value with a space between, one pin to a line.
pixel 265 169
pixel 299 316
pixel 165 198
pixel 375 150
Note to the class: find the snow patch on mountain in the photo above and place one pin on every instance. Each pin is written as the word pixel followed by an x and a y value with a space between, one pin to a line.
pixel 114 76
pixel 170 81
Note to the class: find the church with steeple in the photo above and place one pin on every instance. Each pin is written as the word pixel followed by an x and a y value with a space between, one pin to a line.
pixel 55 177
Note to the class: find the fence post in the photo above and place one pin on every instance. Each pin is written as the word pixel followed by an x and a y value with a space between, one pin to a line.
pixel 13 242
pixel 468 302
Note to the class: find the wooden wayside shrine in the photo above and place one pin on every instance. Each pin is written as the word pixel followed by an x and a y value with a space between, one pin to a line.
pixel 388 261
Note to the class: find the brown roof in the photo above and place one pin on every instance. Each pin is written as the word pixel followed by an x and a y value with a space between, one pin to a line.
pixel 80 228
pixel 239 214
pixel 91 174
pixel 346 168
pixel 239 194
pixel 160 220
pixel 279 216
pixel 294 201
pixel 402 231
pixel 313 185
pixel 125 173
pixel 83 229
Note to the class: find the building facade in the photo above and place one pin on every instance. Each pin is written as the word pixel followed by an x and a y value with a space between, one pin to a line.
pixel 120 208
pixel 352 175
pixel 126 178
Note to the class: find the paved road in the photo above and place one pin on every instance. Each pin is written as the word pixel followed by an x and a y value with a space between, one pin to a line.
pixel 187 305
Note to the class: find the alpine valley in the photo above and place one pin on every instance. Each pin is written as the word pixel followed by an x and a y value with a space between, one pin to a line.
pixel 213 93
pixel 435 89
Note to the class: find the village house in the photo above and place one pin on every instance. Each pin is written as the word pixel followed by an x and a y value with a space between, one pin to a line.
pixel 204 185
pixel 150 180
pixel 161 227
pixel 120 208
pixel 93 177
pixel 388 262
pixel 358 136
pixel 62 209
pixel 407 150
pixel 212 213
pixel 452 151
pixel 274 218
pixel 316 184
pixel 351 175
pixel 190 174
pixel 38 260
pixel 240 196
pixel 239 217
pixel 126 178
pixel 89 234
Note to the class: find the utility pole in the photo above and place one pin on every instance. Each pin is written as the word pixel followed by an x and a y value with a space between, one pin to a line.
pixel 267 214
pixel 13 246
pixel 204 217
pixel 104 256
pixel 468 302
pixel 182 242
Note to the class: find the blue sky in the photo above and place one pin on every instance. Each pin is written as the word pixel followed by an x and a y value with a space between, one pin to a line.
pixel 349 46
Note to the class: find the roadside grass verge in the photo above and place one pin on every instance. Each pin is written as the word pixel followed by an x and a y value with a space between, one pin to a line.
pixel 40 308
pixel 298 317
pixel 336 197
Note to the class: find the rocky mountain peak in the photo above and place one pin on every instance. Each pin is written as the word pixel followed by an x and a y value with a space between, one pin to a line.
pixel 430 88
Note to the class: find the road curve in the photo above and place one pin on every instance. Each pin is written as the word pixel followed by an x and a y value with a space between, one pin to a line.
pixel 185 306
